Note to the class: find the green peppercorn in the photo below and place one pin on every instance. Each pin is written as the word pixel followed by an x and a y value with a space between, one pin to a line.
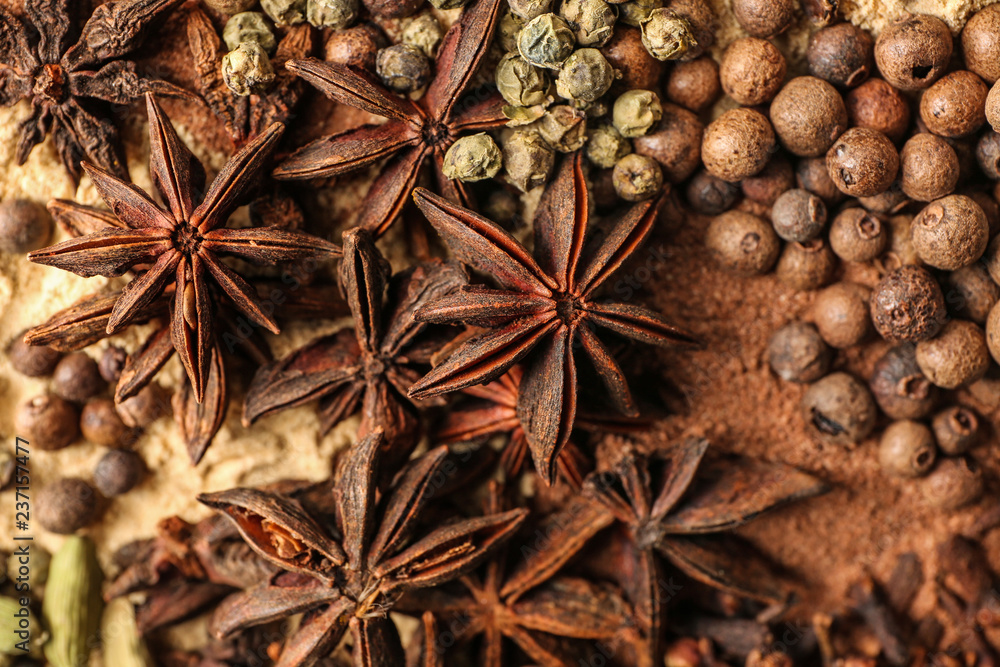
pixel 403 68
pixel 508 29
pixel 247 69
pixel 520 83
pixel 635 12
pixel 606 146
pixel 637 177
pixel 585 76
pixel 546 41
pixel 528 159
pixel 667 35
pixel 473 158
pixel 563 128
pixel 285 12
pixel 448 4
pixel 527 10
pixel 425 33
pixel 334 14
pixel 636 112
pixel 248 27
pixel 592 20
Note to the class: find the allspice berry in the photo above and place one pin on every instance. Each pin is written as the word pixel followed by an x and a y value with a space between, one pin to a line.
pixel 900 251
pixel 956 356
pixel 764 18
pixel 695 84
pixel 628 56
pixel 988 154
pixel 970 292
pixel 806 266
pixel 956 429
pixel 839 409
pixel 637 177
pixel 355 46
pixel 878 106
pixel 993 332
pixel 862 162
pixel 112 363
pixel 47 422
pixel 101 424
pixel 32 360
pixel 118 472
pixel 913 52
pixel 798 354
pixel 981 43
pixel 842 54
pixel 141 410
pixel 675 143
pixel 955 106
pixel 841 314
pixel 24 226
pixel 743 243
pixel 857 235
pixel 907 449
pixel 811 174
pixel 752 71
pixel 950 233
pixel 890 201
pixel 776 178
pixel 701 18
pixel 77 377
pixel 929 167
pixel 798 215
pixel 709 195
pixel 953 483
pixel 737 144
pixel 907 305
pixel 808 115
pixel 900 388
pixel 65 506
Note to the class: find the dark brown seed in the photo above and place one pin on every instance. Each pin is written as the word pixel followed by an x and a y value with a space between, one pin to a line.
pixel 900 251
pixel 970 292
pixel 806 266
pixel 798 354
pixel 752 71
pixel 839 409
pixel 625 52
pixel 738 144
pixel 393 9
pixel 776 178
pixel 900 388
pixel 907 305
pixel 77 377
pixel 811 174
pixel 841 314
pixel 808 116
pixel 842 54
pixel 981 41
pixel 988 154
pixel 112 362
pixel 878 106
pixel 955 106
pixel 951 232
pixel 47 422
pixel 118 472
pixel 24 226
pixel 743 243
pixel 857 235
pixel 956 356
pixel 694 85
pixel 798 215
pixel 929 167
pixel 101 424
pixel 953 483
pixel 890 201
pixel 907 449
pixel 32 360
pixel 355 46
pixel 709 195
pixel 862 162
pixel 914 51
pixel 145 407
pixel 764 18
pixel 66 505
pixel 675 143
pixel 956 429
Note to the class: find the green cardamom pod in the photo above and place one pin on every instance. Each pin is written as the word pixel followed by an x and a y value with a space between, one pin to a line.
pixel 123 645
pixel 72 604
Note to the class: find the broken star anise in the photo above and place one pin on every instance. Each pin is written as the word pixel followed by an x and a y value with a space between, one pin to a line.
pixel 414 131
pixel 545 307
pixel 70 85
pixel 181 247
pixel 352 573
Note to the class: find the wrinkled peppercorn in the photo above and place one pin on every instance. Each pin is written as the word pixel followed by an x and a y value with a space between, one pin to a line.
pixel 563 128
pixel 900 388
pixel 840 313
pixel 546 41
pixel 633 12
pixel 593 20
pixel 606 145
pixel 694 85
pixel 285 12
pixel 929 167
pixel 955 106
pixel 710 195
pixel 743 243
pixel 24 226
pixel 699 14
pixel 808 115
pixel 527 159
pixel 798 354
pixel 521 83
pixel 970 292
pixel 811 174
pixel 862 162
pixel 77 378
pixel 637 177
pixel 907 305
pixel 981 41
pixel 839 409
pixel 956 429
pixel 798 215
pixel 806 266
pixel 956 356
pixel 472 158
pixel 66 505
pixel 950 233
pixel 112 362
pixel 737 144
pixel 764 18
pixel 101 424
pixel 118 472
pixel 752 71
pixel 913 52
pixel 675 143
pixel 249 27
pixel 667 35
pixel 247 69
pixel 32 360
pixel 48 422
pixel 636 112
pixel 953 483
pixel 776 178
pixel 403 68
pixel 141 410
pixel 626 54
pixel 907 449
pixel 878 106
pixel 842 54
pixel 425 33
pixel 585 76
pixel 355 46
pixel 857 235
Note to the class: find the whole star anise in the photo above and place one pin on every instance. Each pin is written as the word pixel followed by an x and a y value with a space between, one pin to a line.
pixel 414 131
pixel 352 575
pixel 181 247
pixel 545 307
pixel 71 84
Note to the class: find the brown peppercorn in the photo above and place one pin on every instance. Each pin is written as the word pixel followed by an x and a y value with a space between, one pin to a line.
pixel 806 266
pixel 900 251
pixel 141 410
pixel 890 201
pixel 914 51
pixel 709 195
pixel 637 177
pixel 953 483
pixel 988 154
pixel 956 356
pixel 355 46
pixel 842 54
pixel 900 388
pixel 841 314
pixel 950 233
pixel 811 174
pixel 970 292
pixel 808 115
pixel 776 178
pixel 393 9
pixel 101 424
pixel 65 506
pixel 956 429
pixel 907 449
pixel 862 162
pixel 737 144
pixel 701 18
pixel 993 332
pixel 798 215
pixel 839 409
pixel 24 225
pixel 77 378
pixel 32 360
pixel 955 106
pixel 47 422
pixel 929 167
pixel 857 235
pixel 993 108
pixel 878 106
pixel 752 71
pixel 743 243
pixel 694 85
pixel 981 43
pixel 798 354
pixel 112 362
pixel 626 53
pixel 907 305
pixel 118 472
pixel 675 144
pixel 764 18
pixel 753 208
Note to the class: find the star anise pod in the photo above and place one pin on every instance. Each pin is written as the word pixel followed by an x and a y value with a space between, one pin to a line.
pixel 70 85
pixel 246 117
pixel 349 568
pixel 181 247
pixel 414 131
pixel 373 366
pixel 545 307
